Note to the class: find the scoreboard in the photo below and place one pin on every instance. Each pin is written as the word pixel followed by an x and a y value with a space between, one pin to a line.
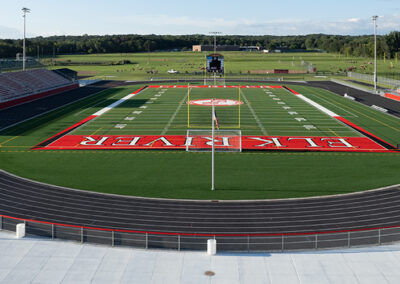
pixel 215 63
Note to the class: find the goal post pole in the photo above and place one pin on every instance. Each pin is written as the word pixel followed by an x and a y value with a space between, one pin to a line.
pixel 188 108
pixel 205 72
pixel 224 74
pixel 239 106
pixel 213 146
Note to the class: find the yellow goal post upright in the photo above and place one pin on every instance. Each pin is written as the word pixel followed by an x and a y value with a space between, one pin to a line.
pixel 188 106
pixel 240 102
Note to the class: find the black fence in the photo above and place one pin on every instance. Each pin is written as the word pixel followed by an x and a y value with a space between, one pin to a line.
pixel 225 242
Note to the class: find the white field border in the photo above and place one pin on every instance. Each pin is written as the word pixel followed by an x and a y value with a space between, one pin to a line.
pixel 325 110
pixel 115 104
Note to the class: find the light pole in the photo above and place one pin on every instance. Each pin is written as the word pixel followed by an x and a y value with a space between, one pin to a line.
pixel 215 40
pixel 374 18
pixel 25 10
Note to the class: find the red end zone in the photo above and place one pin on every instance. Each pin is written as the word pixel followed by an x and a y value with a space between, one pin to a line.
pixel 179 142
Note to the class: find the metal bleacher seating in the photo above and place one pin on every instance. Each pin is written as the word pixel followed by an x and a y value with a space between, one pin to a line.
pixel 15 85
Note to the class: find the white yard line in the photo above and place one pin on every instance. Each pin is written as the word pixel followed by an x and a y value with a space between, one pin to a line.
pixel 102 101
pixel 115 104
pixel 254 115
pixel 328 102
pixel 174 115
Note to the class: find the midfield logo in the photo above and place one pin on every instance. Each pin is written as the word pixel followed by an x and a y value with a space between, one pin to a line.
pixel 216 102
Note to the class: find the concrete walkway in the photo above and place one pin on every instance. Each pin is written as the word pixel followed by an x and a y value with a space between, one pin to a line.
pixel 37 260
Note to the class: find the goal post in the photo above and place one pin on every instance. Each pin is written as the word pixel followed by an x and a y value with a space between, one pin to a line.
pixel 200 140
pixel 227 101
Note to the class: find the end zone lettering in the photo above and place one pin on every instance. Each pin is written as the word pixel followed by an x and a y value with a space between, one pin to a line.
pixel 298 142
pixel 179 142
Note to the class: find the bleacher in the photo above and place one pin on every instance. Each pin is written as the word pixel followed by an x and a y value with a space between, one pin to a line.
pixel 16 85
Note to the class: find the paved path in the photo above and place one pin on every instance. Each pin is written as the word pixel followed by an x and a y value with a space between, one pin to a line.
pixel 35 260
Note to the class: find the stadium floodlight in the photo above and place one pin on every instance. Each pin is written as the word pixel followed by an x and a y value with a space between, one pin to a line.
pixel 374 18
pixel 215 39
pixel 25 10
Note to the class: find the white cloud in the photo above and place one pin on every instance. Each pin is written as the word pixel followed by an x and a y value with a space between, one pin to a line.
pixel 353 20
pixel 163 24
pixel 166 24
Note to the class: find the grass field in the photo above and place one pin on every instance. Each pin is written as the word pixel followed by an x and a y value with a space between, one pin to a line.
pixel 179 174
pixel 238 64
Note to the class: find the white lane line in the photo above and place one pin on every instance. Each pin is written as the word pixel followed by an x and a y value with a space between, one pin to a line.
pixel 254 115
pixel 174 115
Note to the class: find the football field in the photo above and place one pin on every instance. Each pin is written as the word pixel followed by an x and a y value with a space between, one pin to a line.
pixel 259 117
pixel 264 112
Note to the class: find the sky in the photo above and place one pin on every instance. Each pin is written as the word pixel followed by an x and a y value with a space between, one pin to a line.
pixel 178 17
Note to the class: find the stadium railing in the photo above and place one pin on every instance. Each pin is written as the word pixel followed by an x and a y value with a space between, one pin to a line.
pixel 189 241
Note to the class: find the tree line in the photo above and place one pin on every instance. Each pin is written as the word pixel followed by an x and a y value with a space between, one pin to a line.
pixel 387 45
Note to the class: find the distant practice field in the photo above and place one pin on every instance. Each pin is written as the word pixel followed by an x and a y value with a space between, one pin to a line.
pixel 163 111
pixel 238 64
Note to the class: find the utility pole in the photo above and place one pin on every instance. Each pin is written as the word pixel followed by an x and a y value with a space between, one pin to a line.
pixel 25 10
pixel 213 146
pixel 374 18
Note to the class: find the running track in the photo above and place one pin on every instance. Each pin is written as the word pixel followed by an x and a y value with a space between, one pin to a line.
pixel 31 200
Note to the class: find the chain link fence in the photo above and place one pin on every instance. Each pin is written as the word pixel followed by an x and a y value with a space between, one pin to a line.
pixel 366 77
pixel 16 65
pixel 225 242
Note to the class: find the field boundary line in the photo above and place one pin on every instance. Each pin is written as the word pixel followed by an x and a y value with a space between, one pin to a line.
pixel 254 115
pixel 360 104
pixel 89 107
pixel 327 101
pixel 322 109
pixel 363 114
